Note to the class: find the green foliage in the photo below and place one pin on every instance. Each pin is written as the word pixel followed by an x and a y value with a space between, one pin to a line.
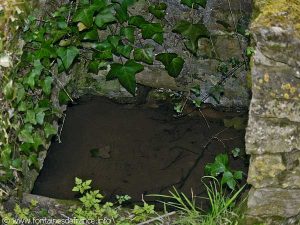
pixel 221 210
pixel 172 62
pixel 92 207
pixel 53 46
pixel 220 167
pixel 126 74
pixel 191 32
pixel 158 10
pixel 194 3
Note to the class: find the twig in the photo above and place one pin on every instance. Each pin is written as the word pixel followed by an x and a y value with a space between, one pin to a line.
pixel 204 118
pixel 61 128
pixel 158 218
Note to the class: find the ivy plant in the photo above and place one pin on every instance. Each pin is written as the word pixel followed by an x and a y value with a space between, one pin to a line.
pixel 220 167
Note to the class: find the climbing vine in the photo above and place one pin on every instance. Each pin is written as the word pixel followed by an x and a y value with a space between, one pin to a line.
pixel 101 34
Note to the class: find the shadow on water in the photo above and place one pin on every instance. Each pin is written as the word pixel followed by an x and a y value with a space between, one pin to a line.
pixel 133 150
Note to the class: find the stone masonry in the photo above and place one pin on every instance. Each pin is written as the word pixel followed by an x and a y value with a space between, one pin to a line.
pixel 273 137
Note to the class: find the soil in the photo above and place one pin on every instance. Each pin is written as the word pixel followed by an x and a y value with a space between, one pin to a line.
pixel 134 150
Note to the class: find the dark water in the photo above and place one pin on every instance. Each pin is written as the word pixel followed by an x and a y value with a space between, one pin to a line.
pixel 132 150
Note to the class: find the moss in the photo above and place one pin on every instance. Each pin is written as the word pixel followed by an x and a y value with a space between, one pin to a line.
pixel 278 13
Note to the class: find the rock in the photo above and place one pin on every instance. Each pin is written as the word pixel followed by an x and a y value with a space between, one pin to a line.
pixel 271 135
pixel 276 202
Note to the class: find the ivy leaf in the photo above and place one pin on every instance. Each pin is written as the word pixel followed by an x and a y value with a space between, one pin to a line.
pixel 158 10
pixel 104 17
pixel 49 129
pixel 20 93
pixel 33 160
pixel 57 35
pixel 34 74
pixel 214 169
pixel 95 65
pixel 126 74
pixel 8 90
pixel 122 12
pixel 194 3
pixel 222 158
pixel 30 117
pixel 172 62
pixel 151 30
pixel 124 50
pixel 137 21
pixel 40 115
pixel 85 15
pixel 144 55
pixel 91 35
pixel 104 55
pixel 114 40
pixel 128 33
pixel 25 134
pixel 238 175
pixel 229 180
pixel 38 141
pixel 67 55
pixel 47 84
pixel 236 152
pixel 192 32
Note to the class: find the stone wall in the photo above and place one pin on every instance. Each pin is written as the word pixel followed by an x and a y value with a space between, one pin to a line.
pixel 221 18
pixel 273 137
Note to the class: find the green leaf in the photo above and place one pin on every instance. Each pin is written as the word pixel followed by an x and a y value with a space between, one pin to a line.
pixel 238 175
pixel 25 134
pixel 114 40
pixel 47 85
pixel 30 117
pixel 95 66
pixel 85 15
pixel 38 141
pixel 124 50
pixel 128 33
pixel 104 17
pixel 149 30
pixel 49 129
pixel 192 32
pixel 58 35
pixel 214 169
pixel 158 10
pixel 126 74
pixel 222 158
pixel 194 3
pixel 67 55
pixel 91 35
pixel 236 152
pixel 172 62
pixel 8 90
pixel 20 93
pixel 40 115
pixel 121 12
pixel 103 55
pixel 144 55
pixel 33 160
pixel 137 21
pixel 229 180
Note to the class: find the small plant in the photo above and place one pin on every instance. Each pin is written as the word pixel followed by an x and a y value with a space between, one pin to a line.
pixel 122 198
pixel 221 211
pixel 81 186
pixel 220 167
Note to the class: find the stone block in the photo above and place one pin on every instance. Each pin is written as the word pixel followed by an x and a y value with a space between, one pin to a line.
pixel 276 108
pixel 271 135
pixel 275 170
pixel 276 202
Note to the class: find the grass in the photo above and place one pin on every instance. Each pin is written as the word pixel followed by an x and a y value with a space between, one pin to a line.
pixel 223 209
